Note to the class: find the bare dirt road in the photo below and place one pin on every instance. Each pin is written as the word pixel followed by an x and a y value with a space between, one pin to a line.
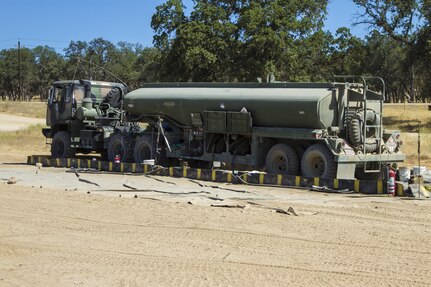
pixel 53 233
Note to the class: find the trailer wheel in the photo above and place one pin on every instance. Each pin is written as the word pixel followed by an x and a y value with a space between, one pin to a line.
pixel 356 136
pixel 282 159
pixel 121 145
pixel 60 146
pixel 318 161
pixel 144 149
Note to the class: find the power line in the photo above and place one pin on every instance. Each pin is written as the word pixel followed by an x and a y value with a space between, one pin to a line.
pixel 35 39
pixel 33 46
pixel 8 46
pixel 42 40
pixel 9 40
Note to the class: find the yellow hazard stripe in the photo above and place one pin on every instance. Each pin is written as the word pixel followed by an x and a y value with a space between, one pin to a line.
pixel 244 177
pixel 379 187
pixel 199 171
pixel 336 183
pixel 261 178
pixel 185 171
pixel 213 175
pixel 400 190
pixel 316 181
pixel 357 185
pixel 229 177
pixel 279 179
pixel 297 180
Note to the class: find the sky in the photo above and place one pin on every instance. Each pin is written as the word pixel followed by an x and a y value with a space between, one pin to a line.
pixel 56 22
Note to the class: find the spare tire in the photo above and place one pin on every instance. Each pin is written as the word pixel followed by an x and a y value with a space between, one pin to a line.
pixel 113 98
pixel 356 128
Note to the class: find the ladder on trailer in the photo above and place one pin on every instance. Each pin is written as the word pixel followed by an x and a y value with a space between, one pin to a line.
pixel 365 102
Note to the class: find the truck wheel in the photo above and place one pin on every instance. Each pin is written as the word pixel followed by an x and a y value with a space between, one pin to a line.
pixel 121 145
pixel 318 161
pixel 60 146
pixel 282 159
pixel 144 149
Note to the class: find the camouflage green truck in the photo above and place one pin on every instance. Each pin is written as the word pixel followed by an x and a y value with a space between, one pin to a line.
pixel 82 115
pixel 329 130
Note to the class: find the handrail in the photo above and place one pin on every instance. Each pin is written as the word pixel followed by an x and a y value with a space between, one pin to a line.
pixel 364 80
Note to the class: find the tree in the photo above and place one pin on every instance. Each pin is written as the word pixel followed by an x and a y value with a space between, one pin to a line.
pixel 230 40
pixel 277 36
pixel 348 54
pixel 405 21
pixel 15 74
pixel 148 65
pixel 48 66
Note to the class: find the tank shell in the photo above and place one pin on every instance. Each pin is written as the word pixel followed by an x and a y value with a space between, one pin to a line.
pixel 312 106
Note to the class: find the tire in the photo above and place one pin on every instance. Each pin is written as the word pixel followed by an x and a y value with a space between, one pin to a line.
pixel 113 98
pixel 121 145
pixel 282 159
pixel 318 161
pixel 356 136
pixel 144 149
pixel 60 146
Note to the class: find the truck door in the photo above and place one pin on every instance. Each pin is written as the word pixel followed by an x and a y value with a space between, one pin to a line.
pixel 59 105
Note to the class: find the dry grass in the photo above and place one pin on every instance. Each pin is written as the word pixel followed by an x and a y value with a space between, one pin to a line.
pixel 30 139
pixel 410 148
pixel 404 117
pixel 26 109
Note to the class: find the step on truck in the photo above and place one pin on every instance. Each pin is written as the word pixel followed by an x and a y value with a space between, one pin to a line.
pixel 327 130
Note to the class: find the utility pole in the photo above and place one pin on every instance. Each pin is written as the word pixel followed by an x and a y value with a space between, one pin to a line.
pixel 19 69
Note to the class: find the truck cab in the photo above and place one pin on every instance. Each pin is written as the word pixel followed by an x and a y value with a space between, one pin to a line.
pixel 81 114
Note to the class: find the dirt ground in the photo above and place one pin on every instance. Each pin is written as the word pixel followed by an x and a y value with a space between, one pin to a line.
pixel 123 230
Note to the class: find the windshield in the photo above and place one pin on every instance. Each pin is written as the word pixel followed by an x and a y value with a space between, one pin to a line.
pixel 100 92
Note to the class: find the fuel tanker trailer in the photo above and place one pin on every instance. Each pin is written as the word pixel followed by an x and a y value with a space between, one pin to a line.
pixel 329 130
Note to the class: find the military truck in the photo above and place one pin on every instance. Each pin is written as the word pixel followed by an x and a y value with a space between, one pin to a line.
pixel 329 130
pixel 82 115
